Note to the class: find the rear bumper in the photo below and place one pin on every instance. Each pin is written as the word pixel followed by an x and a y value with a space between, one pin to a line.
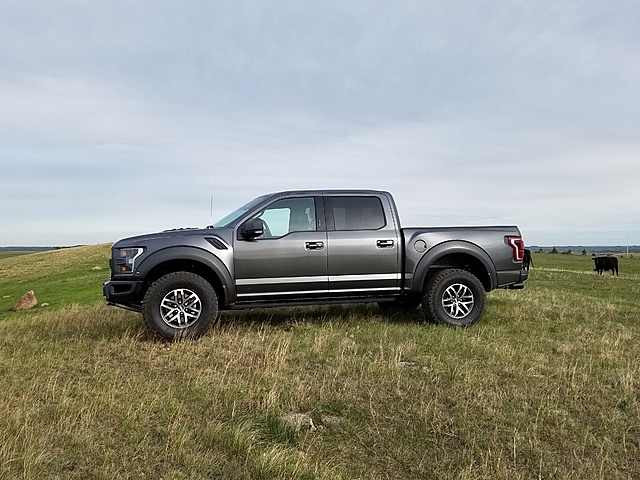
pixel 512 279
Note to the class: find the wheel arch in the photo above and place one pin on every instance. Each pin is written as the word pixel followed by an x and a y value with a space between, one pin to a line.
pixel 456 254
pixel 189 259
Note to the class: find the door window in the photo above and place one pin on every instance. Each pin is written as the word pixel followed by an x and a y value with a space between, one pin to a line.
pixel 357 213
pixel 287 216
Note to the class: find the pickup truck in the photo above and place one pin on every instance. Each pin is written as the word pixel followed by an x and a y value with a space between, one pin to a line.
pixel 312 247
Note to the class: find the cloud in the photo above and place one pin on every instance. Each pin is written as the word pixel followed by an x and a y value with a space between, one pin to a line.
pixel 123 117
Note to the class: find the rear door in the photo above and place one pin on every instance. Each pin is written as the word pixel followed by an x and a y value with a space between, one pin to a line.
pixel 289 261
pixel 363 245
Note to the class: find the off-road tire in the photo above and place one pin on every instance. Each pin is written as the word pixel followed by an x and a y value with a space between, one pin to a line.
pixel 454 297
pixel 180 305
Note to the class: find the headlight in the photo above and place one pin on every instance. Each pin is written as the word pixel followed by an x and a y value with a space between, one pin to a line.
pixel 125 259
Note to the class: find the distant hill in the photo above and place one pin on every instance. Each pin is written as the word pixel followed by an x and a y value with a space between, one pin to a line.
pixel 22 248
pixel 25 249
pixel 597 249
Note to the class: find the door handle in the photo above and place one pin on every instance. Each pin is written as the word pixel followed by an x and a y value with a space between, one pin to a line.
pixel 384 243
pixel 314 245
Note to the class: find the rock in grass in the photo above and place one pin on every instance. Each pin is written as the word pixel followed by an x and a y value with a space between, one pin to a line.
pixel 301 421
pixel 26 302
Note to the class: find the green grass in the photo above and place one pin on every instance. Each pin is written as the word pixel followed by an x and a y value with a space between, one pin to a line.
pixel 59 278
pixel 547 385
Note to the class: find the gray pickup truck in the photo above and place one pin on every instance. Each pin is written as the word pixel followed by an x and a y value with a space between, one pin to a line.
pixel 312 247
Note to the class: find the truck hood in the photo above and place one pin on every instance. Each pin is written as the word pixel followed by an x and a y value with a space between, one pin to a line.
pixel 174 233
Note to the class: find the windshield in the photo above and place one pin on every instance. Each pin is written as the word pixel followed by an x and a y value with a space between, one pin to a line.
pixel 233 216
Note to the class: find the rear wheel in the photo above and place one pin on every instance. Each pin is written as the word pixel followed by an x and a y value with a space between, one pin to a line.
pixel 179 305
pixel 454 297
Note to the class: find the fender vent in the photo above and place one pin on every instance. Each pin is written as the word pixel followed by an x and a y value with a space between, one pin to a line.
pixel 217 243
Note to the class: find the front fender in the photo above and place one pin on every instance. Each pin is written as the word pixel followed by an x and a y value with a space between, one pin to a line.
pixel 200 257
pixel 456 254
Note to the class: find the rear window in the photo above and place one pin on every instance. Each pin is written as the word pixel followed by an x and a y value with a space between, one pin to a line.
pixel 357 213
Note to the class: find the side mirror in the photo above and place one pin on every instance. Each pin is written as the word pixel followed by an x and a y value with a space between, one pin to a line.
pixel 252 228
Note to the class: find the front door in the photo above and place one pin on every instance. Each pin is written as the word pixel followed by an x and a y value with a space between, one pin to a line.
pixel 289 260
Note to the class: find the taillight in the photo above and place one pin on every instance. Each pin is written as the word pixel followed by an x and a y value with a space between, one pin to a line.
pixel 518 248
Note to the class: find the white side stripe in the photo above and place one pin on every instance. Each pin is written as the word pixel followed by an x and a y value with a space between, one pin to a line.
pixel 333 278
pixel 366 277
pixel 275 280
pixel 301 292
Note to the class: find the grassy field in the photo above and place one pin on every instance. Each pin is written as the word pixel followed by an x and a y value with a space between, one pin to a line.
pixel 547 385
pixel 60 278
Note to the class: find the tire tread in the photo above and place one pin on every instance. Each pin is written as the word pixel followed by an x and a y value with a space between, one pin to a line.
pixel 431 299
pixel 154 292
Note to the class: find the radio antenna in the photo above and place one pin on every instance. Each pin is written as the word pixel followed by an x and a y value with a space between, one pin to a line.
pixel 211 207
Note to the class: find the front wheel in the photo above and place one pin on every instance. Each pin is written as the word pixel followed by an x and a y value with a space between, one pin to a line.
pixel 454 297
pixel 179 305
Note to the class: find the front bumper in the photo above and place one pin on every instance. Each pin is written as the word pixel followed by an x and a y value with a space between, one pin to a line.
pixel 118 292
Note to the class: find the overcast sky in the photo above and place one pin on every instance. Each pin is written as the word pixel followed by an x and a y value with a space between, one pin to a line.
pixel 124 117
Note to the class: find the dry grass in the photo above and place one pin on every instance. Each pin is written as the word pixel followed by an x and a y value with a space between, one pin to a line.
pixel 546 386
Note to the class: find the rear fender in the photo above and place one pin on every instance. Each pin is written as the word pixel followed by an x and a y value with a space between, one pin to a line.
pixel 456 254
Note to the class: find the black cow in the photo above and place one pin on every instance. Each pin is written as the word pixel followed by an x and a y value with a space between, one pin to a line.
pixel 526 260
pixel 606 263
